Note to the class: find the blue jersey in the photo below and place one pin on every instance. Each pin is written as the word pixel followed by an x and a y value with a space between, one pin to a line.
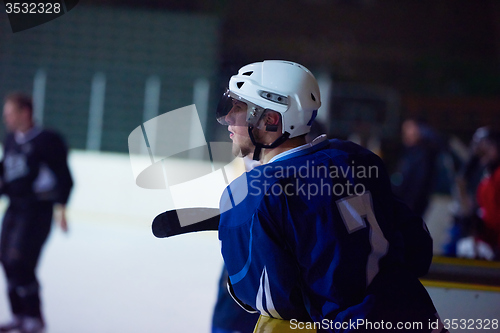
pixel 317 235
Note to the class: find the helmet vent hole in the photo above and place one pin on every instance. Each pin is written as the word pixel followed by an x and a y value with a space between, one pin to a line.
pixel 247 73
pixel 239 84
pixel 292 127
pixel 273 97
pixel 313 98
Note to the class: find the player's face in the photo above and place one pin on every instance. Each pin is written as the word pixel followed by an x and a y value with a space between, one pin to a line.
pixel 238 129
pixel 12 116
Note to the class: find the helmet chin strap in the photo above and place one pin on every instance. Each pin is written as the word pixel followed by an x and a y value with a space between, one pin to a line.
pixel 259 146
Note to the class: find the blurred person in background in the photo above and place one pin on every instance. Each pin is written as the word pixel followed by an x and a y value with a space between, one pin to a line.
pixel 35 176
pixel 488 193
pixel 465 219
pixel 417 168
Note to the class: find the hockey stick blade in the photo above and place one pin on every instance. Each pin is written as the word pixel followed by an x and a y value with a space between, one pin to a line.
pixel 167 224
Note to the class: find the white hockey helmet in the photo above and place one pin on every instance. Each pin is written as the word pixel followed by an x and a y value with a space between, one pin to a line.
pixel 282 86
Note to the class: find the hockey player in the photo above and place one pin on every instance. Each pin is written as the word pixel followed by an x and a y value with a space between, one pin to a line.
pixel 35 176
pixel 318 237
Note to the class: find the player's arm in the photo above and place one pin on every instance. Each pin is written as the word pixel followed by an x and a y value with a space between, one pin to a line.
pixel 61 217
pixel 57 161
pixel 416 237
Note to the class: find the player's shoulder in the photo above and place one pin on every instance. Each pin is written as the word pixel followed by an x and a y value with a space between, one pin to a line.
pixel 50 133
pixel 241 199
pixel 49 136
pixel 347 147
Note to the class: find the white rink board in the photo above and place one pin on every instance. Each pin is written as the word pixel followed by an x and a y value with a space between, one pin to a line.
pixel 470 308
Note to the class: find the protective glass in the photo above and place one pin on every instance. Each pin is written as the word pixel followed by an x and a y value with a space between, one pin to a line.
pixel 236 111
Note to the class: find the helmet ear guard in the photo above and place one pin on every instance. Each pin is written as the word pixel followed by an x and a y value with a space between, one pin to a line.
pixel 272 120
pixel 272 128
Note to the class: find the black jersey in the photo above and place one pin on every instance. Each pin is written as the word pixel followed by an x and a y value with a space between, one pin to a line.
pixel 34 167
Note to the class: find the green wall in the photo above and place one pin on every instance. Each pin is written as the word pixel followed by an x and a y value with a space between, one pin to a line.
pixel 128 46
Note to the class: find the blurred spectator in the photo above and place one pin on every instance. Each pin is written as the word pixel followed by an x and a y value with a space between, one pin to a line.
pixel 488 192
pixel 416 173
pixel 465 219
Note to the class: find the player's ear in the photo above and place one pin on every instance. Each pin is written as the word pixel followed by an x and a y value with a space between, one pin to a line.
pixel 272 121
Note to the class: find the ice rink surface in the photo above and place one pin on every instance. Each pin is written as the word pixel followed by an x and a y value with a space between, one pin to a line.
pixel 108 278
pixel 110 274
